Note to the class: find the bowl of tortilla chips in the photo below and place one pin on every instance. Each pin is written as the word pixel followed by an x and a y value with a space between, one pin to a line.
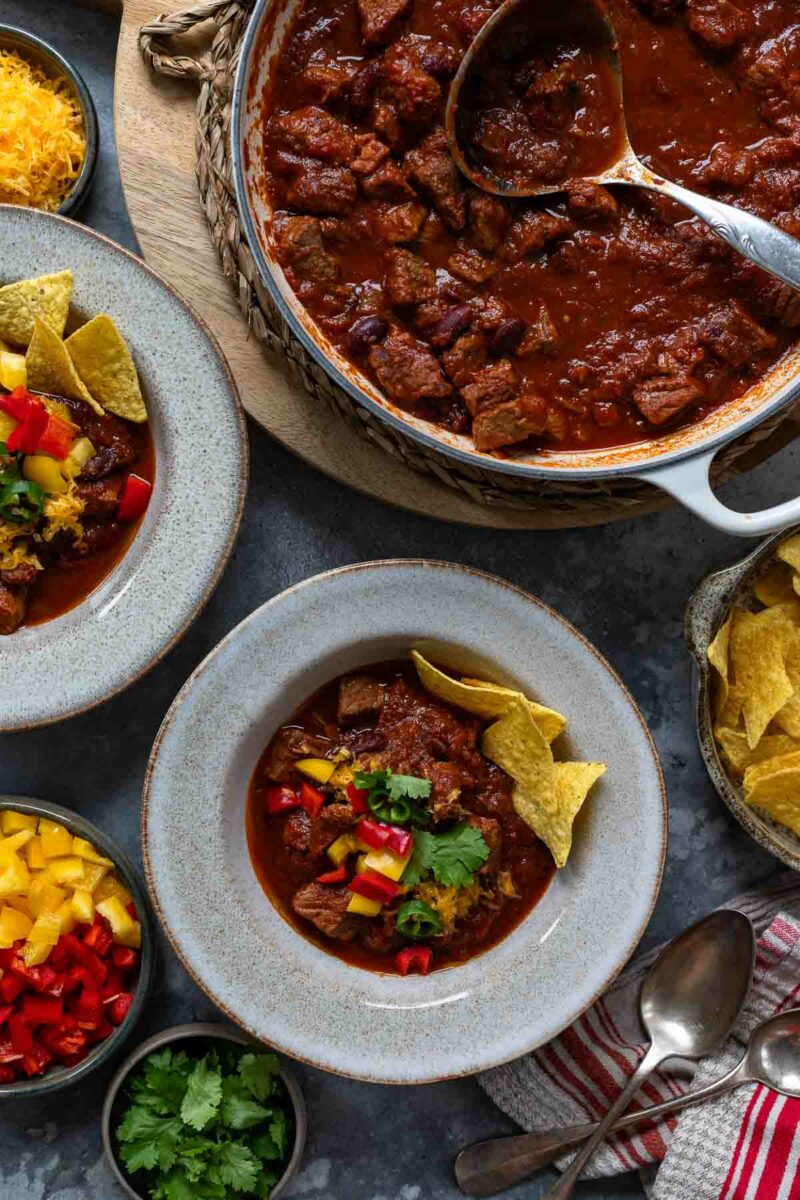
pixel 583 774
pixel 743 629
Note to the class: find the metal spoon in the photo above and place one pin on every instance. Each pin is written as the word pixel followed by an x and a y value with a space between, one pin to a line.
pixel 758 240
pixel 772 1058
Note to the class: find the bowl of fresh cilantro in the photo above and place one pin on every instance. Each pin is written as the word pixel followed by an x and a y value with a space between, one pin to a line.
pixel 204 1112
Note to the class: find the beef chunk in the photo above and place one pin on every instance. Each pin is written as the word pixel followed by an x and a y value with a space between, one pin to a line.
pixel 326 907
pixel 300 244
pixel 591 200
pixel 400 223
pixel 660 10
pixel 110 437
pixel 734 336
pixel 370 153
pixel 314 133
pixel 380 935
pixel 512 421
pixel 322 189
pixel 98 534
pixel 784 304
pixel 108 459
pixel 385 121
pixel 289 745
pixel 12 608
pixel 407 86
pixel 727 165
pixel 100 497
pixel 491 385
pixel 718 23
pixel 533 231
pixel 388 183
pixel 431 166
pixel 407 370
pixel 323 82
pixel 542 336
pixel 359 696
pixel 446 784
pixel 21 576
pixel 468 263
pixel 488 221
pixel 379 18
pixel 333 820
pixel 409 279
pixel 463 359
pixel 662 398
pixel 771 70
pixel 492 833
pixel 297 831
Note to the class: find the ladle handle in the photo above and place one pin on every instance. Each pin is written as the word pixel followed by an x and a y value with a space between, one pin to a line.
pixel 489 1167
pixel 763 243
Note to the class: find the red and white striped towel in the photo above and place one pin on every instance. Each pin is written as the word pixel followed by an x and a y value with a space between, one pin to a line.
pixel 743 1146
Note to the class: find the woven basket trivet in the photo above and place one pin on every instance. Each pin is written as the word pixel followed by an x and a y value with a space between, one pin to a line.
pixel 214 71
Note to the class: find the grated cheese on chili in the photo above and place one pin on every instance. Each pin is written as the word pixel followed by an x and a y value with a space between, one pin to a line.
pixel 42 142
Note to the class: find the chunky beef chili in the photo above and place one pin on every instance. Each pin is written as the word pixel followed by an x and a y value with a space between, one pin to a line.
pixel 588 319
pixel 381 832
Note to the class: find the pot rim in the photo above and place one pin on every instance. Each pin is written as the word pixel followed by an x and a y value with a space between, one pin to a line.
pixel 638 469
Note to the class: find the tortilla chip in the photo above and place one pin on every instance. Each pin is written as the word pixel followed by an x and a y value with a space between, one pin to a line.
pixel 789 552
pixel 516 743
pixel 550 722
pixel 47 297
pixel 718 655
pixel 50 369
pixel 775 788
pixel 740 757
pixel 758 646
pixel 776 585
pixel 730 715
pixel 102 359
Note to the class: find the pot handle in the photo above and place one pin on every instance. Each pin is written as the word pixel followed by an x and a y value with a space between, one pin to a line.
pixel 688 482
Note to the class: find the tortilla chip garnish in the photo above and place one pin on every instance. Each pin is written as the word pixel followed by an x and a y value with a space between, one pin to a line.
pixel 740 757
pixel 776 586
pixel 50 369
pixel 550 722
pixel 758 647
pixel 101 357
pixel 718 655
pixel 774 786
pixel 789 552
pixel 47 297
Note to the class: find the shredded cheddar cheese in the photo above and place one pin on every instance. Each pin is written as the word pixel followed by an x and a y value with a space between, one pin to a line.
pixel 42 142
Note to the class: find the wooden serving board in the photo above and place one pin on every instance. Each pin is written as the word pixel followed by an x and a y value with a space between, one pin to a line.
pixel 155 132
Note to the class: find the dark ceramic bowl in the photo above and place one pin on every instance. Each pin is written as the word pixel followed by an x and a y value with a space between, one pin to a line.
pixel 61 1077
pixel 43 55
pixel 203 1032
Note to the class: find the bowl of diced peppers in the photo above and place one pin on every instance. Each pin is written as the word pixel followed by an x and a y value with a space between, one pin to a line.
pixel 76 947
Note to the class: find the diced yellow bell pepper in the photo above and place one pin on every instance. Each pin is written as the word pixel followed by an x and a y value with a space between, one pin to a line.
pixel 318 769
pixel 45 929
pixel 87 851
pixel 125 930
pixel 13 822
pixel 13 373
pixel 46 471
pixel 56 840
pixel 44 897
pixel 35 953
pixel 34 854
pixel 13 924
pixel 80 452
pixel 345 844
pixel 10 846
pixel 92 875
pixel 111 886
pixel 14 876
pixel 66 917
pixel 83 906
pixel 7 425
pixel 360 862
pixel 66 870
pixel 363 906
pixel 386 862
pixel 21 904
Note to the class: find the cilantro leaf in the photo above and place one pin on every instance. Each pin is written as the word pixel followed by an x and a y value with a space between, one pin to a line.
pixel 393 797
pixel 259 1073
pixel 408 785
pixel 279 1132
pixel 148 1140
pixel 457 854
pixel 420 863
pixel 162 1084
pixel 238 1166
pixel 203 1096
pixel 240 1112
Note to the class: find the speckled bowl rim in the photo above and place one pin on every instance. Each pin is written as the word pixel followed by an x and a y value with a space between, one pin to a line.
pixel 65 1077
pixel 79 691
pixel 623 954
pixel 708 606
pixel 203 1029
pixel 78 193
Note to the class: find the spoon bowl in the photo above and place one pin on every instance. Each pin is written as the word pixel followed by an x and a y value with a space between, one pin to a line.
pixel 773 1056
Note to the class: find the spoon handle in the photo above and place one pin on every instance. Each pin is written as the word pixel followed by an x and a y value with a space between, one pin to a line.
pixel 763 243
pixel 491 1166
pixel 563 1189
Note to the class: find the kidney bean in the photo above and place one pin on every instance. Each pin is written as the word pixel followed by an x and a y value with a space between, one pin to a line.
pixel 364 743
pixel 362 85
pixel 507 336
pixel 366 331
pixel 449 326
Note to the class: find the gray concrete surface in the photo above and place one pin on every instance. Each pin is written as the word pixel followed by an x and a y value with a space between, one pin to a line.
pixel 624 586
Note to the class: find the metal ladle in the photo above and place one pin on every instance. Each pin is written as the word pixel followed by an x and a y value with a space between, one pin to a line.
pixel 758 240
pixel 772 1057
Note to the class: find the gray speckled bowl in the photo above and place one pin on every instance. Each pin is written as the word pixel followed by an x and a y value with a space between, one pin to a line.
pixel 708 607
pixel 206 1031
pixel 283 988
pixel 80 659
pixel 61 1077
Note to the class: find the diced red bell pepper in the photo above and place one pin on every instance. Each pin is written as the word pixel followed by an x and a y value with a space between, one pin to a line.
pixel 134 499
pixel 21 1034
pixel 7 1052
pixel 42 1010
pixel 57 437
pixel 11 986
pixel 399 840
pixel 103 1031
pixel 85 956
pixel 58 957
pixel 98 937
pixel 6 1075
pixel 37 1061
pixel 17 403
pixel 5 1013
pixel 79 977
pixel 375 886
pixel 88 1010
pixel 124 958
pixel 26 436
pixel 311 799
pixel 130 909
pixel 337 876
pixel 281 799
pixel 414 959
pixel 51 982
pixel 372 834
pixel 119 1009
pixel 358 798
pixel 63 1043
pixel 8 955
